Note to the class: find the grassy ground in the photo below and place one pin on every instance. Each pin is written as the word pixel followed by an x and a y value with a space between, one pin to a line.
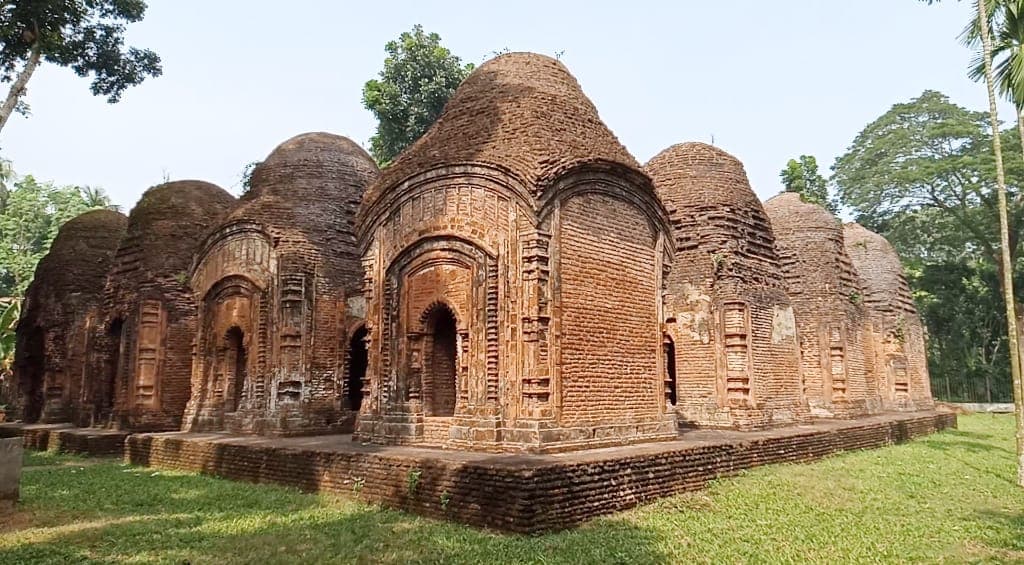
pixel 948 497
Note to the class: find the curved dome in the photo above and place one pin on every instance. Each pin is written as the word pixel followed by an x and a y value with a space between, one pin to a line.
pixel 713 208
pixel 80 255
pixel 307 192
pixel 810 244
pixel 789 212
pixel 315 157
pixel 880 269
pixel 164 229
pixel 303 171
pixel 520 112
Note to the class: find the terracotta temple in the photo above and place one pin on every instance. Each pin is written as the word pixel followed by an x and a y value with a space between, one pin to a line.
pixel 141 363
pixel 514 281
pixel 828 302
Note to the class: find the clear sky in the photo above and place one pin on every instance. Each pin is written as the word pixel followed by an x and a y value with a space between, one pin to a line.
pixel 767 80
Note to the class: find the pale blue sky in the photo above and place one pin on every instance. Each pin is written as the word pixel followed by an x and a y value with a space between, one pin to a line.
pixel 768 79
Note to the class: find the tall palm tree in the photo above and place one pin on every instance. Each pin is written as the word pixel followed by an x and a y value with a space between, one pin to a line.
pixel 96 197
pixel 988 12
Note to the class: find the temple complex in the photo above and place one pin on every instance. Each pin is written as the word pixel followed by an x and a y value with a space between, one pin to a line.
pixel 61 309
pixel 515 259
pixel 279 291
pixel 829 308
pixel 895 336
pixel 142 350
pixel 730 335
pixel 515 281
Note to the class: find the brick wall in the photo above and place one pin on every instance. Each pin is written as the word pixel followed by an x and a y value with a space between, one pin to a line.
pixel 58 314
pixel 828 304
pixel 737 359
pixel 608 289
pixel 287 248
pixel 897 334
pixel 522 494
pixel 147 294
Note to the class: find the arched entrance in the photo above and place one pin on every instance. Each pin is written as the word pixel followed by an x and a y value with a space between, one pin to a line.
pixel 235 363
pixel 108 387
pixel 357 360
pixel 439 367
pixel 669 349
pixel 33 375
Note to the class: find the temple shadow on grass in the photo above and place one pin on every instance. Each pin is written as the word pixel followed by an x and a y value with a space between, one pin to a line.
pixel 109 512
pixel 1010 541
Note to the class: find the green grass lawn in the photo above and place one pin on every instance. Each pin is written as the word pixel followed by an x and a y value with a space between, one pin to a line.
pixel 948 497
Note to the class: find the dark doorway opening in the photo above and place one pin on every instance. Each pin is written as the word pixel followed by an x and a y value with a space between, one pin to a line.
pixel 236 362
pixel 108 387
pixel 33 375
pixel 440 369
pixel 669 348
pixel 357 361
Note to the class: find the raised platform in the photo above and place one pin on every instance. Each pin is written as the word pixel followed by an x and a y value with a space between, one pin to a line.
pixel 66 438
pixel 518 493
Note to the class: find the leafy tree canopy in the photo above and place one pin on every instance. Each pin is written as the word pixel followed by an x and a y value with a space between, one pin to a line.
pixel 86 36
pixel 801 176
pixel 929 162
pixel 418 78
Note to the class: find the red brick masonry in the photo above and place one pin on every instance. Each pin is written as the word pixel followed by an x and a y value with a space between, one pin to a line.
pixel 518 493
pixel 66 438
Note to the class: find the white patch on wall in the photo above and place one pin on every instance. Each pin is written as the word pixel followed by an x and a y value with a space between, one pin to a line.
pixel 783 324
pixel 356 307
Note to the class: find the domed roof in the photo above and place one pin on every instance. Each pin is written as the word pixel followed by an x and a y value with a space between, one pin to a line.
pixel 713 209
pixel 880 270
pixel 698 174
pixel 306 169
pixel 79 258
pixel 789 212
pixel 520 112
pixel 166 226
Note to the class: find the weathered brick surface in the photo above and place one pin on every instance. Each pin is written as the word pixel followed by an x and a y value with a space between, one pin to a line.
pixel 727 314
pixel 894 333
pixel 829 307
pixel 66 438
pixel 518 493
pixel 141 359
pixel 61 309
pixel 278 285
pixel 521 216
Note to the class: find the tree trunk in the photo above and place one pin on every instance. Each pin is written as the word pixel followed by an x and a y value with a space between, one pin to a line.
pixel 18 88
pixel 1004 238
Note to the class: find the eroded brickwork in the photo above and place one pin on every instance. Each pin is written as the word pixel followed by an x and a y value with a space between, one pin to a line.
pixel 141 365
pixel 894 334
pixel 729 321
pixel 522 217
pixel 829 306
pixel 278 286
pixel 60 313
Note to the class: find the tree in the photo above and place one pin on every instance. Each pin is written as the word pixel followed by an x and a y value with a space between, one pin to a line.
pixel 29 223
pixel 802 176
pixel 1006 261
pixel 987 11
pixel 418 78
pixel 86 36
pixel 929 162
pixel 246 178
pixel 923 175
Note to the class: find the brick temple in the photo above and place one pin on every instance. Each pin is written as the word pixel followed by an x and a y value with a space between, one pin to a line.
pixel 515 281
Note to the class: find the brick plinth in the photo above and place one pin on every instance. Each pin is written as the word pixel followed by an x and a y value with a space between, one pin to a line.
pixel 65 438
pixel 518 493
